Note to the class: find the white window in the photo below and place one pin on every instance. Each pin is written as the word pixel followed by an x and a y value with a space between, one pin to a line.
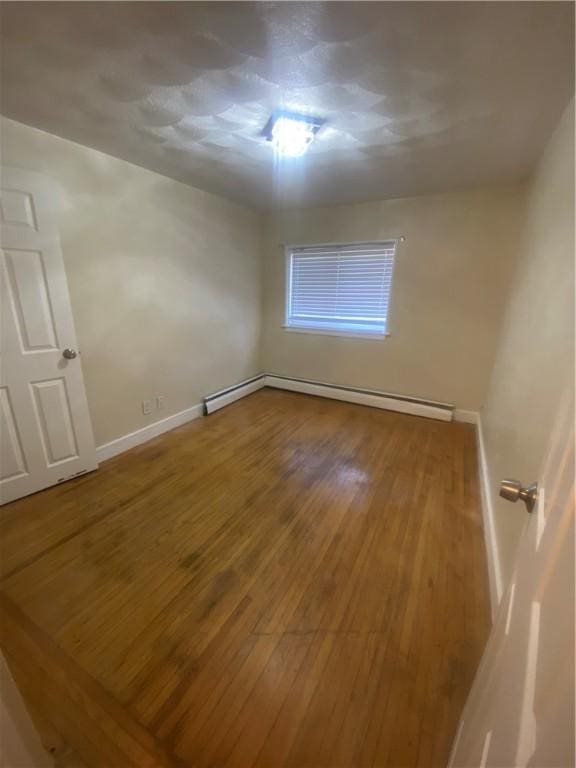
pixel 340 288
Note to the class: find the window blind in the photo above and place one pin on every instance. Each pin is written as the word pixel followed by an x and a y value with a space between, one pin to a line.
pixel 340 288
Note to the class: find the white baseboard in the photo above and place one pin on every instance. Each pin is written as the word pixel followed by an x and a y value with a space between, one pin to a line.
pixel 124 443
pixel 466 417
pixel 494 569
pixel 490 540
pixel 226 396
pixel 441 411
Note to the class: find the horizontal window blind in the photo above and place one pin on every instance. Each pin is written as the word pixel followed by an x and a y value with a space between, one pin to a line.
pixel 341 288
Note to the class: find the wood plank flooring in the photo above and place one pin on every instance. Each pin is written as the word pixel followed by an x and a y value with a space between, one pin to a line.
pixel 289 582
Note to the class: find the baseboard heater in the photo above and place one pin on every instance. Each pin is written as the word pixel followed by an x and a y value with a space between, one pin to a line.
pixel 229 395
pixel 373 398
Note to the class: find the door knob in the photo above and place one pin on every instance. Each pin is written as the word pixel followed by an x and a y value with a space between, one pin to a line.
pixel 512 490
pixel 69 354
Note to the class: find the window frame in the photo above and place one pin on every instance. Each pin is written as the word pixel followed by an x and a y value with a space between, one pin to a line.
pixel 289 248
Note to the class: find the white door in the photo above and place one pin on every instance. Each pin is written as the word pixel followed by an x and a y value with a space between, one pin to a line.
pixel 45 431
pixel 520 711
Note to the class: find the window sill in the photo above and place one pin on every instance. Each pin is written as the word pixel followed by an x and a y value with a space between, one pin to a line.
pixel 341 334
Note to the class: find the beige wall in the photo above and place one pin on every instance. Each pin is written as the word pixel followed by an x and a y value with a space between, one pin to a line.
pixel 535 358
pixel 164 280
pixel 451 280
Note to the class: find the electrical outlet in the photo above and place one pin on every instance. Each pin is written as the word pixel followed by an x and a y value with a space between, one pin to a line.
pixel 147 407
pixel 159 402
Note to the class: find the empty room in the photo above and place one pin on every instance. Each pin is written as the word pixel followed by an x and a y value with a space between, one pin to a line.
pixel 287 384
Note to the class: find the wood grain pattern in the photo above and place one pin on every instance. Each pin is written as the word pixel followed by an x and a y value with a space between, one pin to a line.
pixel 289 582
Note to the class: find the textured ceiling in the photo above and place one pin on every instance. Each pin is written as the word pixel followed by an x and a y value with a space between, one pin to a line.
pixel 417 97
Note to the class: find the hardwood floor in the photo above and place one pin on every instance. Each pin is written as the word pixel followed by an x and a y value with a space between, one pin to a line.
pixel 289 582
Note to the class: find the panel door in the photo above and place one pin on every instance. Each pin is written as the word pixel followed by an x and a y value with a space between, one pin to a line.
pixel 45 430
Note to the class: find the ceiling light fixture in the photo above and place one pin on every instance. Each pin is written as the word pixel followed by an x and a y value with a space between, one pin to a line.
pixel 291 134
